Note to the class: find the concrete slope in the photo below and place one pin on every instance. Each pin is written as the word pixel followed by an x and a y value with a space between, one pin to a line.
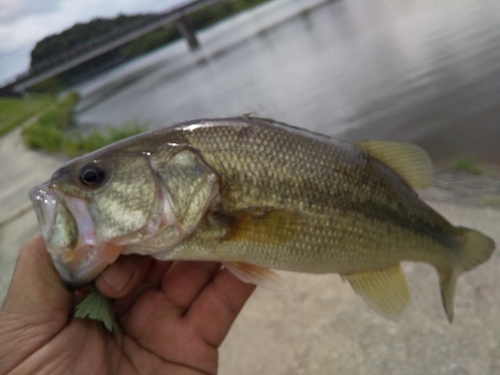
pixel 20 169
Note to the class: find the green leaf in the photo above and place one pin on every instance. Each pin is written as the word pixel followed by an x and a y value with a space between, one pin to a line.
pixel 97 306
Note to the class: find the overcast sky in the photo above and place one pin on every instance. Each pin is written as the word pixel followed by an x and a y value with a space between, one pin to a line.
pixel 24 22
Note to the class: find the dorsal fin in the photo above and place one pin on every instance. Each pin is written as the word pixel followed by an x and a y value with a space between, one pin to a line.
pixel 409 161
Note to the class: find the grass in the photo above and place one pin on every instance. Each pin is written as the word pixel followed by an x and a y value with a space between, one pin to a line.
pixel 47 133
pixel 99 138
pixel 490 201
pixel 14 111
pixel 468 164
pixel 52 85
pixel 51 131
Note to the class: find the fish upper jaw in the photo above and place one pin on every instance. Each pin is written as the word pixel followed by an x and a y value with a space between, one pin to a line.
pixel 45 202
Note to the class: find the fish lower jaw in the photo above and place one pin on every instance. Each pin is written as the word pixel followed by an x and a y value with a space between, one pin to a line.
pixel 79 267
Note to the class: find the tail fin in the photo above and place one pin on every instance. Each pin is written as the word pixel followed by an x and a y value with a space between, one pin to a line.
pixel 475 249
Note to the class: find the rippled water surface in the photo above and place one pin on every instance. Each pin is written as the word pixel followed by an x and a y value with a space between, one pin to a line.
pixel 425 71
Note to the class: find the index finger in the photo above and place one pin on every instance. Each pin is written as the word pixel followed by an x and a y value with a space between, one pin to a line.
pixel 121 277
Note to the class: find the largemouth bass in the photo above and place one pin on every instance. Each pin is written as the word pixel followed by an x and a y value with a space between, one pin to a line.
pixel 256 195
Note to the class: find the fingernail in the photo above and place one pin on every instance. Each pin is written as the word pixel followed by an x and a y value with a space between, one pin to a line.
pixel 117 277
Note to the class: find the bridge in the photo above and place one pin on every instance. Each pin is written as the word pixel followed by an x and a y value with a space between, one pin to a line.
pixel 105 43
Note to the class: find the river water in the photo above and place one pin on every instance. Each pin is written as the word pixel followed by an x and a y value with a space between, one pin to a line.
pixel 425 71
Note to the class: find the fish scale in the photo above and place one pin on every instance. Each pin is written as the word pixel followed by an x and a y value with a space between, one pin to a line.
pixel 315 192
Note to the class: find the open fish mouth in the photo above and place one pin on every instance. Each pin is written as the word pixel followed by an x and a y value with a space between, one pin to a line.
pixel 69 232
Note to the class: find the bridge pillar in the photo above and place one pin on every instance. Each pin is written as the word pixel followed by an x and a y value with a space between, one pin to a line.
pixel 188 32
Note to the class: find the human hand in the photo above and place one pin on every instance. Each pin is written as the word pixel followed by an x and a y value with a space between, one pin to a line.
pixel 174 317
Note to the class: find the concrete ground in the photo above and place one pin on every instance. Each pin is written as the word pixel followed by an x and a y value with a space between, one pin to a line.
pixel 20 169
pixel 320 326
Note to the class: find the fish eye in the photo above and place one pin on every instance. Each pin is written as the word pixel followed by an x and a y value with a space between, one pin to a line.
pixel 92 175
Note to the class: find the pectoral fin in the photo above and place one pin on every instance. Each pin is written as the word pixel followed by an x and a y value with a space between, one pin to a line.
pixel 384 290
pixel 260 276
pixel 409 161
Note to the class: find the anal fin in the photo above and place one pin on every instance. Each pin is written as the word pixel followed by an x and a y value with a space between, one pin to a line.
pixel 260 276
pixel 384 290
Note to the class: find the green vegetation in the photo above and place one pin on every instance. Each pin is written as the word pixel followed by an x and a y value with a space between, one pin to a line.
pixel 468 164
pixel 79 34
pixel 51 46
pixel 14 111
pixel 216 12
pixel 47 133
pixel 151 41
pixel 51 86
pixel 97 306
pixel 51 131
pixel 489 201
pixel 82 144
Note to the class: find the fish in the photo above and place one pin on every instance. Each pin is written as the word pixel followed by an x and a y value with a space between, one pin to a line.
pixel 257 195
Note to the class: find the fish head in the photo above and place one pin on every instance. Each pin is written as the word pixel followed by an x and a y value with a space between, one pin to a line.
pixel 102 205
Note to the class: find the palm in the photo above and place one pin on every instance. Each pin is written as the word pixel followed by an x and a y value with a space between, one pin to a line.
pixel 173 317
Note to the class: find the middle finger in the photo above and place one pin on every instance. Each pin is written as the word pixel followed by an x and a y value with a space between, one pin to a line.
pixel 184 281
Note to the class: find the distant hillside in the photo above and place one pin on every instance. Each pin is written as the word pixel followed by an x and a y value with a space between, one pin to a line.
pixel 54 45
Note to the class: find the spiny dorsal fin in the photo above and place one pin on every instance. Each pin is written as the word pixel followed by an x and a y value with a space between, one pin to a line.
pixel 409 161
pixel 261 276
pixel 384 290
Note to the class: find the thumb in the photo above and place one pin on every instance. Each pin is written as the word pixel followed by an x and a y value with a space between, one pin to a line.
pixel 36 307
pixel 36 294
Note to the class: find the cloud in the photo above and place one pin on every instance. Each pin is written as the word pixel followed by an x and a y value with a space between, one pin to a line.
pixel 11 10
